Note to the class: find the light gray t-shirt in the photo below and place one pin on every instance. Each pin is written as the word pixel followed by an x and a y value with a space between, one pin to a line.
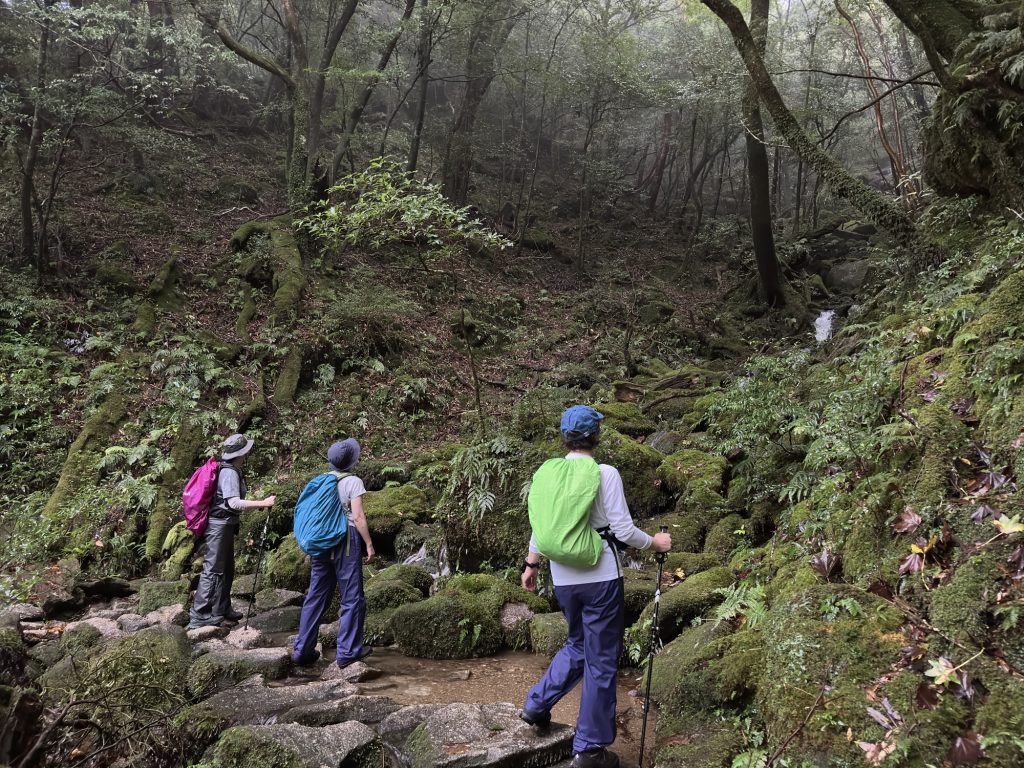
pixel 230 498
pixel 349 488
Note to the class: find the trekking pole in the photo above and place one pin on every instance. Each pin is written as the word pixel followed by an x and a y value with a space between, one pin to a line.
pixel 660 558
pixel 256 576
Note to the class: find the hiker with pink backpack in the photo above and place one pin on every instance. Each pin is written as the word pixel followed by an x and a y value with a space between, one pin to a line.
pixel 212 501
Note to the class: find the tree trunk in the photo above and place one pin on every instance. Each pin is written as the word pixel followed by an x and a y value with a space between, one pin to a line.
pixel 356 112
pixel 28 166
pixel 491 28
pixel 658 172
pixel 938 23
pixel 874 206
pixel 423 52
pixel 768 272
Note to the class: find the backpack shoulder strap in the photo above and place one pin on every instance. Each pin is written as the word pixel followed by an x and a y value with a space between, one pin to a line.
pixel 339 477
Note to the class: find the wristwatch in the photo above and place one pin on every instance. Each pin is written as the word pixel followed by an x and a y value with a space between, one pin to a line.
pixel 528 564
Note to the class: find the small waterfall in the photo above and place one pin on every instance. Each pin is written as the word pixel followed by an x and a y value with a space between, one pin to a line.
pixel 417 558
pixel 823 325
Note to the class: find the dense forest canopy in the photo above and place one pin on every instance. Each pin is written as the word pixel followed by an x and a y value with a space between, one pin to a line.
pixel 777 243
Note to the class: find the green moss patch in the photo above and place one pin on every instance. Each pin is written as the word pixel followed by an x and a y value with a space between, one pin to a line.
pixel 637 464
pixel 287 566
pixel 681 604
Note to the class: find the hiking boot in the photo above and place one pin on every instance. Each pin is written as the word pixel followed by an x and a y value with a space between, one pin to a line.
pixel 207 621
pixel 367 651
pixel 308 660
pixel 233 615
pixel 595 758
pixel 536 719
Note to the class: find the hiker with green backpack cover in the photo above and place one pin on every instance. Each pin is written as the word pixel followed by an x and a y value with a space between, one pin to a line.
pixel 579 520
pixel 331 528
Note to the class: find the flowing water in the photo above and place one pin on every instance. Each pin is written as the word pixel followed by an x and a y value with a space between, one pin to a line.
pixel 823 325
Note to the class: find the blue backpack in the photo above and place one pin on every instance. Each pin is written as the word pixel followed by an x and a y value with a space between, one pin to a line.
pixel 321 520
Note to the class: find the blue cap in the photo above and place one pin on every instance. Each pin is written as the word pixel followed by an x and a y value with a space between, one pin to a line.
pixel 581 420
pixel 344 454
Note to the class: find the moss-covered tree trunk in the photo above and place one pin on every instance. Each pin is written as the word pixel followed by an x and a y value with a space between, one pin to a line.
pixel 874 206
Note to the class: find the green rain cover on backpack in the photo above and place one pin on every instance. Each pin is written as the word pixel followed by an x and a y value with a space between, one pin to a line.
pixel 559 505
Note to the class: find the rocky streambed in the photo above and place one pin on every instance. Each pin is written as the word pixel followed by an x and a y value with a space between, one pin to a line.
pixel 234 698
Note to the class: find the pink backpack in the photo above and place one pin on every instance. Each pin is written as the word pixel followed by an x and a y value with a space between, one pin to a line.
pixel 198 497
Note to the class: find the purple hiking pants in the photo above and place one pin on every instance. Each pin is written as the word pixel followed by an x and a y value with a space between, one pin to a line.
pixel 342 568
pixel 594 613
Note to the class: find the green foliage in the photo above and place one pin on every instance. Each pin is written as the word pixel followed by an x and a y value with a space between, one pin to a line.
pixel 383 206
pixel 741 601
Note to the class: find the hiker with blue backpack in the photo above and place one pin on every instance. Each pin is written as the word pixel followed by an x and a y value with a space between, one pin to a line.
pixel 579 520
pixel 217 524
pixel 331 528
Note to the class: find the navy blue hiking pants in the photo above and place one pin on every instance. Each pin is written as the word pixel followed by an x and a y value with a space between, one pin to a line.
pixel 343 568
pixel 594 613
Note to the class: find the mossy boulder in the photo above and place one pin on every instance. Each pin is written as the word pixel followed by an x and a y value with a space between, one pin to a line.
pixel 377 628
pixel 13 654
pixel 708 746
pixel 412 575
pixel 389 509
pixel 638 465
pixel 450 625
pixel 157 594
pixel 223 665
pixel 626 418
pixel 637 591
pixel 236 189
pixel 690 563
pixel 385 595
pixel 681 604
pixel 698 478
pixel 412 537
pixel 725 535
pixel 116 278
pixel 548 633
pixel 289 745
pixel 684 680
pixel 288 567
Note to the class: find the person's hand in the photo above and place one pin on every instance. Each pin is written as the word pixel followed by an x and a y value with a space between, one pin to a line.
pixel 529 579
pixel 662 542
pixel 270 501
pixel 370 553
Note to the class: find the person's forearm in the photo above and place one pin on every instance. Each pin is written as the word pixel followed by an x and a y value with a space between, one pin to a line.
pixel 364 529
pixel 240 505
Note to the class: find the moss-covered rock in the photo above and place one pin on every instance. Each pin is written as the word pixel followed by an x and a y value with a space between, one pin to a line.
pixel 411 575
pixel 711 746
pixel 637 592
pixel 449 625
pixel 287 566
pixel 224 665
pixel 681 604
pixel 384 595
pixel 13 655
pixel 684 680
pixel 626 418
pixel 388 509
pixel 697 477
pixel 637 464
pixel 690 563
pixel 548 633
pixel 289 745
pixel 377 628
pixel 179 546
pixel 725 535
pixel 157 594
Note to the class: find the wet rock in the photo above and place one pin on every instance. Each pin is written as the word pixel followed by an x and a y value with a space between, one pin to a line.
pixel 223 665
pixel 207 633
pixel 289 745
pixel 270 598
pixel 131 623
pixel 363 709
pixel 515 624
pixel 106 627
pixel 243 585
pixel 328 635
pixel 482 735
pixel 24 611
pixel 847 277
pixel 169 614
pixel 396 727
pixel 354 673
pixel 61 602
pixel 253 702
pixel 277 620
pixel 665 442
pixel 246 638
pixel 375 686
pixel 106 588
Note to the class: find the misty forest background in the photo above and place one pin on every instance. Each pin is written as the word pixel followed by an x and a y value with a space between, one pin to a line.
pixel 778 243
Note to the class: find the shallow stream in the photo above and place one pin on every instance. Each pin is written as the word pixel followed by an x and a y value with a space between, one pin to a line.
pixel 506 676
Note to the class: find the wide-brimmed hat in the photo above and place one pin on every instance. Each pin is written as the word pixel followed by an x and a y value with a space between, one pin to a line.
pixel 581 420
pixel 343 454
pixel 235 446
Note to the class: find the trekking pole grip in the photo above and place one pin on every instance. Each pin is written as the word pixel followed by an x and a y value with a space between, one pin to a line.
pixel 660 556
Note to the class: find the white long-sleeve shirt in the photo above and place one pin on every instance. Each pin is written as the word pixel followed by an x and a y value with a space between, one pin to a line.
pixel 608 510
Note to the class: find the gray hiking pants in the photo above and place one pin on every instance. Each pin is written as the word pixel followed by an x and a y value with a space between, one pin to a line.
pixel 213 595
